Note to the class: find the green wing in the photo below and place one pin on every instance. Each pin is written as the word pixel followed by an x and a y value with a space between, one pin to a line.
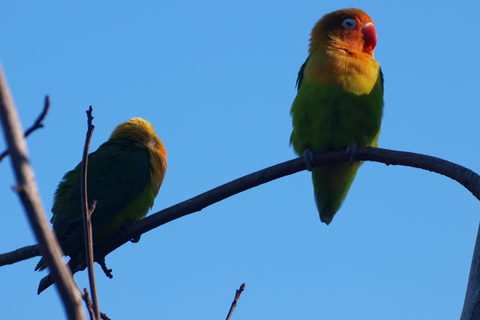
pixel 117 173
pixel 300 75
pixel 331 118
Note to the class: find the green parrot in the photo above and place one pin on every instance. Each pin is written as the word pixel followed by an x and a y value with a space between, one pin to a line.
pixel 124 176
pixel 339 102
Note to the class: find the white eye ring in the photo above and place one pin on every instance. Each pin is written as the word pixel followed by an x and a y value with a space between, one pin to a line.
pixel 349 23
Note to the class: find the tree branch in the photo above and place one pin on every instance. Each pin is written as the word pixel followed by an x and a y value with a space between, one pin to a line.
pixel 28 192
pixel 87 214
pixel 235 300
pixel 471 305
pixel 38 124
pixel 20 254
pixel 469 179
pixel 464 176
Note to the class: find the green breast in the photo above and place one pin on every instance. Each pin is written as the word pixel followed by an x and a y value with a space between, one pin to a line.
pixel 326 118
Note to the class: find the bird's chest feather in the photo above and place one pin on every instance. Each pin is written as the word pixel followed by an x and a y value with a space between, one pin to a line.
pixel 339 103
pixel 355 73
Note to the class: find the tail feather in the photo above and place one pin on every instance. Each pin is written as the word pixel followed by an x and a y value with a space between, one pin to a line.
pixel 41 265
pixel 331 184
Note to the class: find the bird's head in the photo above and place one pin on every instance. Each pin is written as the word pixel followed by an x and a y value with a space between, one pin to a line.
pixel 349 29
pixel 140 130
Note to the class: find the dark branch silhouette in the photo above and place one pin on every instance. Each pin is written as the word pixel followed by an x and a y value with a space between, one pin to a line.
pixel 469 179
pixel 235 300
pixel 20 254
pixel 87 217
pixel 464 176
pixel 36 125
pixel 471 305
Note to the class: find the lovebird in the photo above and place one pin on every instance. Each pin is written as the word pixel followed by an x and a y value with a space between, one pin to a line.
pixel 339 102
pixel 124 176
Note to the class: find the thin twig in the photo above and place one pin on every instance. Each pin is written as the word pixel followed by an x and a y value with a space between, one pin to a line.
pixel 104 316
pixel 87 214
pixel 235 300
pixel 28 192
pixel 88 302
pixel 38 124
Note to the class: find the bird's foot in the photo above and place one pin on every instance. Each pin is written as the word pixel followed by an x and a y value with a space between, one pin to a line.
pixel 124 231
pixel 108 272
pixel 136 239
pixel 352 152
pixel 308 157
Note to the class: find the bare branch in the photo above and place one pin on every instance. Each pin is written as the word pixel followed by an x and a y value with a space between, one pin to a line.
pixel 235 300
pixel 20 254
pixel 28 192
pixel 104 316
pixel 87 214
pixel 469 179
pixel 471 304
pixel 36 125
pixel 464 176
pixel 88 302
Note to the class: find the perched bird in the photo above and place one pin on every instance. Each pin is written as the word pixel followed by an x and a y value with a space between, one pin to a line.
pixel 339 103
pixel 124 176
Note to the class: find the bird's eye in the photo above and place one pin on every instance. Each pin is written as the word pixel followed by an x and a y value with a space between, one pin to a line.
pixel 349 23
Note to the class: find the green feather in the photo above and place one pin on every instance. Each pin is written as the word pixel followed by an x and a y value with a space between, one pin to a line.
pixel 331 118
pixel 120 178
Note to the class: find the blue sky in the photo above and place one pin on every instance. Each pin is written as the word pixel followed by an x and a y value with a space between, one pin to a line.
pixel 216 79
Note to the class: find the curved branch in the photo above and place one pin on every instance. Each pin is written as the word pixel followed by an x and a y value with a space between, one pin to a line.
pixel 469 179
pixel 37 124
pixel 464 176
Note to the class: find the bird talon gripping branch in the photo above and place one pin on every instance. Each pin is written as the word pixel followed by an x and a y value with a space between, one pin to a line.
pixel 308 157
pixel 352 152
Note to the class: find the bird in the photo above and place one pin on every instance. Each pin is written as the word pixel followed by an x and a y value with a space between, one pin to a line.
pixel 339 102
pixel 124 176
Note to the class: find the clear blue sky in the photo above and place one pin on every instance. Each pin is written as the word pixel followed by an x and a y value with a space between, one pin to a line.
pixel 216 79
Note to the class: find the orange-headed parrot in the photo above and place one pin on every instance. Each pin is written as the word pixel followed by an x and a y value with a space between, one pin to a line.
pixel 339 103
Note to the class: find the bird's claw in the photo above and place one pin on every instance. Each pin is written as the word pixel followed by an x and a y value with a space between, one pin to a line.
pixel 136 239
pixel 108 272
pixel 352 152
pixel 308 157
pixel 125 230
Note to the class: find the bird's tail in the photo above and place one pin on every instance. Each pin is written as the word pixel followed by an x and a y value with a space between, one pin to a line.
pixel 331 184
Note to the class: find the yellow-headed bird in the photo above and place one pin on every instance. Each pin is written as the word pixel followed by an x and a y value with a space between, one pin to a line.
pixel 124 176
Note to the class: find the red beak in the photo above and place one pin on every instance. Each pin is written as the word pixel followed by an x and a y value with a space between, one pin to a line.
pixel 369 37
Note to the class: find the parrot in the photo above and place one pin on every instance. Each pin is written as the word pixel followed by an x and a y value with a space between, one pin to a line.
pixel 339 102
pixel 124 176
